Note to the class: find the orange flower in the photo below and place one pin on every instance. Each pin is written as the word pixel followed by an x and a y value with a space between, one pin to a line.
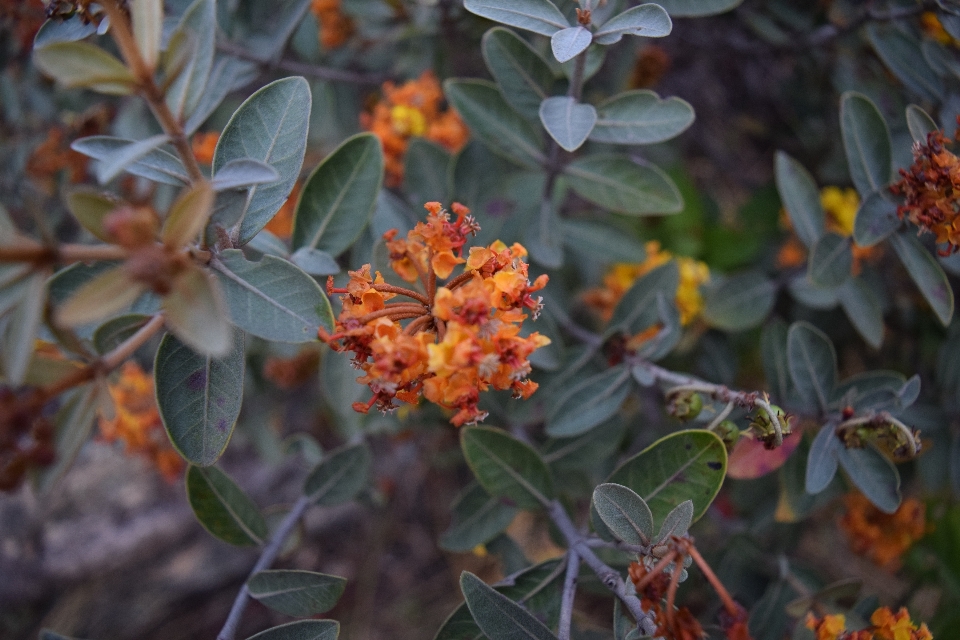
pixel 281 224
pixel 880 536
pixel 335 26
pixel 932 26
pixel 137 422
pixel 414 109
pixel 204 144
pixel 289 373
pixel 884 625
pixel 931 189
pixel 463 336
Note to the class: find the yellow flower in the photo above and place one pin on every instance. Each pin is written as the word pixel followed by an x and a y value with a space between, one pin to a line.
pixel 841 207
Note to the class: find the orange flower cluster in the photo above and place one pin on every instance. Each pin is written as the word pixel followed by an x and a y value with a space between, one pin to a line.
pixel 204 144
pixel 651 593
pixel 335 26
pixel 137 423
pixel 463 337
pixel 884 625
pixel 290 373
pixel 414 109
pixel 931 191
pixel 281 224
pixel 880 536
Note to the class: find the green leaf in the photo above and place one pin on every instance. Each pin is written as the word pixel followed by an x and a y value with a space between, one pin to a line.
pixel 90 207
pixel 641 117
pixel 524 76
pixel 196 312
pixel 499 617
pixel 863 310
pixel 567 121
pixel 589 451
pixel 111 333
pixel 223 508
pixel 242 173
pixel 800 198
pixel 677 522
pixel 831 261
pixel 85 65
pixel 272 298
pixel 227 75
pixel 568 43
pixel 106 294
pixel 198 26
pixel 157 165
pixel 62 31
pixel 602 241
pixel 301 630
pixel 314 261
pixel 871 391
pixel 478 517
pixel 188 215
pixel 111 167
pixel 773 353
pixel 339 196
pixel 74 424
pixel 625 513
pixel 539 16
pixel 740 302
pixel 637 309
pixel 927 273
pixel 296 593
pixel 340 476
pixel 426 174
pixel 813 364
pixel 902 55
pixel 687 465
pixel 873 474
pixel 809 294
pixel 536 588
pixel 270 126
pixel 919 123
pixel 866 141
pixel 647 20
pixel 586 404
pixel 697 8
pixel 493 121
pixel 199 397
pixel 618 183
pixel 506 467
pixel 876 219
pixel 147 19
pixel 822 461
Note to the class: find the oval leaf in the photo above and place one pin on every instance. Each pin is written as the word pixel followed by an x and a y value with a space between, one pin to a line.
pixel 902 54
pixel 641 117
pixel 830 261
pixel 927 273
pixel 157 165
pixel 618 183
pixel 301 630
pixel 339 196
pixel 499 617
pixel 647 20
pixel 296 593
pixel 637 309
pixel 822 461
pixel 677 522
pixel 567 122
pixel 90 207
pixel 863 310
pixel 589 402
pixel 539 16
pixel 106 294
pixel 199 397
pixel 523 75
pixel 813 364
pixel 271 127
pixel 875 476
pixel 242 173
pixel 84 64
pixel 625 513
pixel 866 141
pixel 698 8
pixel 740 302
pixel 197 26
pixel 876 219
pixel 688 465
pixel 340 476
pixel 272 299
pixel 196 312
pixel 478 517
pixel 111 333
pixel 223 508
pixel 800 197
pixel 568 43
pixel 919 123
pixel 507 468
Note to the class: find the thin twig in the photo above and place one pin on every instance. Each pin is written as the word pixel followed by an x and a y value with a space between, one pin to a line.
pixel 712 578
pixel 30 251
pixel 269 554
pixel 309 70
pixel 569 592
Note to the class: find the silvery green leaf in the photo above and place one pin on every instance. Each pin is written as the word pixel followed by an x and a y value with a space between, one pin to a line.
pixel 270 126
pixel 539 16
pixel 919 123
pixel 228 74
pixel 20 326
pixel 315 262
pixel 830 261
pixel 340 476
pixel 110 167
pixel 85 65
pixel 807 293
pixel 223 508
pixel 697 8
pixel 625 513
pixel 620 184
pixel 647 20
pixel 873 474
pixel 157 165
pixel 523 75
pixel 477 518
pixel 813 364
pixel 677 522
pixel 740 302
pixel 63 31
pixel 296 593
pixel 902 55
pixel 866 140
pixel 147 19
pixel 800 198
pixel 926 273
pixel 301 630
pixel 876 219
pixel 243 172
pixel 822 461
pixel 499 617
pixel 567 121
pixel 863 310
pixel 641 117
pixel 570 42
pixel 186 91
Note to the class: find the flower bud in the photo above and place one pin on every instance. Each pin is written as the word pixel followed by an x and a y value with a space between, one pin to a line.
pixel 764 429
pixel 685 405
pixel 729 432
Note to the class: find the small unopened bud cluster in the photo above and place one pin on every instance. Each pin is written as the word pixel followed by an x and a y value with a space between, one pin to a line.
pixel 763 427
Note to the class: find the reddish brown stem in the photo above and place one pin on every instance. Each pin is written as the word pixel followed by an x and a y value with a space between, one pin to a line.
pixel 417 324
pixel 390 312
pixel 714 581
pixel 657 568
pixel 432 282
pixel 461 279
pixel 65 253
pixel 424 278
pixel 402 291
pixel 672 593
